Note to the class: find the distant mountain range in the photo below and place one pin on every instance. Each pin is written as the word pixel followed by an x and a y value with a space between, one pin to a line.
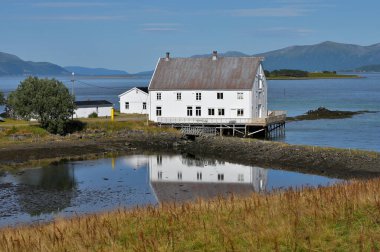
pixel 369 68
pixel 94 71
pixel 328 55
pixel 324 56
pixel 13 65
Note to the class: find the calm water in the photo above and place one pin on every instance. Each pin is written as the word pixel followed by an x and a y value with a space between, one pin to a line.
pixel 67 189
pixel 297 97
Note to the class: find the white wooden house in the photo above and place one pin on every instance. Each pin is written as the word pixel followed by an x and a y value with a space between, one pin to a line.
pixel 134 101
pixel 219 92
pixel 85 108
pixel 217 89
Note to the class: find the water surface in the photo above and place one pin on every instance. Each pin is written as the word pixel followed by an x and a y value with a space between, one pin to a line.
pixel 295 96
pixel 81 187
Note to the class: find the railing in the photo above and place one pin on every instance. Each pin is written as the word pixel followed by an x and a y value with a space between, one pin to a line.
pixel 274 116
pixel 198 131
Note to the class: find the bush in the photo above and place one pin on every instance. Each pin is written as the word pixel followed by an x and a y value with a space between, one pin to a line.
pixel 46 100
pixel 74 126
pixel 93 115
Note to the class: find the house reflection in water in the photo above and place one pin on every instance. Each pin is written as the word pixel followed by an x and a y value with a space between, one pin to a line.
pixel 181 178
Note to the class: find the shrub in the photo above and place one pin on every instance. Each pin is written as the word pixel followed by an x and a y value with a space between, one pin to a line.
pixel 93 115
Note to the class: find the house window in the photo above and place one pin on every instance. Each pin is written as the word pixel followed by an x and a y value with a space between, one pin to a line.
pixel 199 175
pixel 198 96
pixel 159 160
pixel 159 175
pixel 221 112
pixel 240 96
pixel 158 96
pixel 198 111
pixel 158 111
pixel 241 177
pixel 240 112
pixel 211 111
pixel 127 105
pixel 220 177
pixel 219 96
pixel 179 96
pixel 144 105
pixel 189 111
pixel 179 175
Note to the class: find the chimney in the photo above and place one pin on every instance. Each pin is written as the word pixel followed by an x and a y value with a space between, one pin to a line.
pixel 214 55
pixel 167 56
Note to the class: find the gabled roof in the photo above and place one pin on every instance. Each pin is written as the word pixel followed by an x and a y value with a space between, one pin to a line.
pixel 144 89
pixel 236 73
pixel 93 103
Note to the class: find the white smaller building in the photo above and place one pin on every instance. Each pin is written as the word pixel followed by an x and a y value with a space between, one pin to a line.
pixel 134 101
pixel 85 108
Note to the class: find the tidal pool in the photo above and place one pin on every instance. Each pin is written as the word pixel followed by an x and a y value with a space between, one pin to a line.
pixel 81 187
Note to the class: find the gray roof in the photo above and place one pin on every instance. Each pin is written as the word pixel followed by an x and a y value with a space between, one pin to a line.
pixel 235 73
pixel 99 103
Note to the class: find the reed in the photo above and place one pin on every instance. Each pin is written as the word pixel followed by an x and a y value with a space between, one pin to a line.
pixel 337 218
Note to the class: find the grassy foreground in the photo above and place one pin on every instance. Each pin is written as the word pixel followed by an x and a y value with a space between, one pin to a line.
pixel 339 218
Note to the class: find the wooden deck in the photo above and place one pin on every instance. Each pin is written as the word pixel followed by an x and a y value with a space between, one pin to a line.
pixel 273 124
pixel 274 117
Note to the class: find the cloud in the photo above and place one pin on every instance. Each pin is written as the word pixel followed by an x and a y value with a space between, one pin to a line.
pixel 69 4
pixel 161 27
pixel 269 12
pixel 79 18
pixel 285 31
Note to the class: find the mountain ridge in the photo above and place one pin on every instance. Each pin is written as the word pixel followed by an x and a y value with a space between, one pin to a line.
pixel 327 55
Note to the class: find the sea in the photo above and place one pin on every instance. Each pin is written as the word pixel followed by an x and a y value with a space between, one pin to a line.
pixel 295 96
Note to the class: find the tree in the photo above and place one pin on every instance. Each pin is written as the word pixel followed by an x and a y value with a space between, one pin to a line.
pixel 46 100
pixel 2 98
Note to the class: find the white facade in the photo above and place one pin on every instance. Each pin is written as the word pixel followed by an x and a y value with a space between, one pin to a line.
pixel 172 106
pixel 85 112
pixel 134 101
pixel 179 169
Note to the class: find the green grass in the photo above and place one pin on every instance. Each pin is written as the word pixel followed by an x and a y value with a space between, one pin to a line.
pixel 338 218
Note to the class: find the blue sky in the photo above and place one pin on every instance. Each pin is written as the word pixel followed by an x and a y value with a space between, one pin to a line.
pixel 131 35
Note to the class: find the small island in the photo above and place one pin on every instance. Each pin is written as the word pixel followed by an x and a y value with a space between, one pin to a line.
pixel 290 74
pixel 324 113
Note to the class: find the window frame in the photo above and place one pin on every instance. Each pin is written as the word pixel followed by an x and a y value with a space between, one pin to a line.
pixel 159 96
pixel 179 96
pixel 198 111
pixel 240 95
pixel 198 96
pixel 127 105
pixel 158 110
pixel 220 176
pixel 240 112
pixel 211 110
pixel 144 105
pixel 189 110
pixel 219 96
pixel 221 110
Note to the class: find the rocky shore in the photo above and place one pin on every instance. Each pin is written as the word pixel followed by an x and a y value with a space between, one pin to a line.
pixel 332 162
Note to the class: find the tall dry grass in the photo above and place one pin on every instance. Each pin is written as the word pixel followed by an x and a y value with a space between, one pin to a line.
pixel 339 218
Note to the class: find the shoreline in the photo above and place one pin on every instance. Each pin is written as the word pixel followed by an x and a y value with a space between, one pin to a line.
pixel 330 162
